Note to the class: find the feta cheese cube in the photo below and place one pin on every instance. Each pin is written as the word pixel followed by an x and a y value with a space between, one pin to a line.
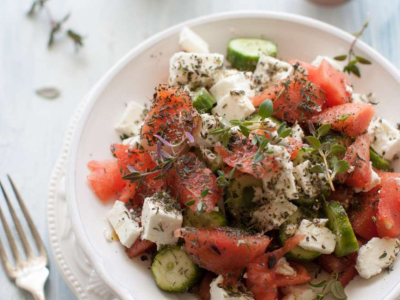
pixel 375 180
pixel 284 268
pixel 280 184
pixel 126 229
pixel 334 63
pixel 194 69
pixel 273 214
pixel 234 107
pixel 297 133
pixel 201 135
pixel 318 238
pixel 131 120
pixel 218 292
pixel 309 183
pixel 377 255
pixel 270 70
pixel 385 139
pixel 192 42
pixel 235 84
pixel 161 216
pixel 363 98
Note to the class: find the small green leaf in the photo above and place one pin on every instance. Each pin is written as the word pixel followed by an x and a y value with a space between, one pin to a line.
pixel 281 127
pixel 338 290
pixel 217 131
pixel 204 193
pixel 311 128
pixel 317 169
pixel 314 142
pixel 336 149
pixel 319 285
pixel 232 173
pixel 49 93
pixel 285 133
pixel 190 203
pixel 341 166
pixel 258 157
pixel 340 57
pixel 235 122
pixel 266 109
pixel 225 138
pixel 244 130
pixel 344 118
pixel 363 60
pixel 323 130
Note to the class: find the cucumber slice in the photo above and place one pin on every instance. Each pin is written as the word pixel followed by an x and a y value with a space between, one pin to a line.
pixel 214 219
pixel 202 100
pixel 346 242
pixel 174 271
pixel 297 253
pixel 378 161
pixel 241 194
pixel 243 53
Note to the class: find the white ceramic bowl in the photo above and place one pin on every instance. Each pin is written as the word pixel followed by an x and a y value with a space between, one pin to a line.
pixel 136 76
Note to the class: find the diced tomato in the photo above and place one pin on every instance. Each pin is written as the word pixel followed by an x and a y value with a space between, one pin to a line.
pixel 204 287
pixel 343 194
pixel 311 69
pixel 358 157
pixel 243 151
pixel 261 277
pixel 388 213
pixel 301 276
pixel 224 251
pixel 351 119
pixel 333 82
pixel 227 170
pixel 105 179
pixel 170 115
pixel 295 99
pixel 363 214
pixel 139 247
pixel 348 275
pixel 189 178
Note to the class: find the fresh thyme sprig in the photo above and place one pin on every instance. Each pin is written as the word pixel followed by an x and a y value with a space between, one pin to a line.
pixel 326 150
pixel 352 58
pixel 56 26
pixel 331 285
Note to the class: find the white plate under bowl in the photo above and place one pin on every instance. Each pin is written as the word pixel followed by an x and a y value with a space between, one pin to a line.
pixel 134 79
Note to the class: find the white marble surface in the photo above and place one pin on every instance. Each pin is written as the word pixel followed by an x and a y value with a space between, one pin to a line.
pixel 32 129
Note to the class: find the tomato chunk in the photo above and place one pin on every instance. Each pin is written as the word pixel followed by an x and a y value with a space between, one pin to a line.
pixel 352 119
pixel 388 214
pixel 224 251
pixel 139 247
pixel 311 69
pixel 204 288
pixel 294 99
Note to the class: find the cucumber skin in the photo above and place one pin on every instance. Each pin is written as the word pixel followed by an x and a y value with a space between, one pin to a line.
pixel 242 62
pixel 191 281
pixel 203 101
pixel 297 253
pixel 205 220
pixel 346 240
pixel 378 161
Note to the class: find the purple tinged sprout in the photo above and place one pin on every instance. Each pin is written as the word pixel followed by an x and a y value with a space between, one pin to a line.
pixel 164 141
pixel 189 136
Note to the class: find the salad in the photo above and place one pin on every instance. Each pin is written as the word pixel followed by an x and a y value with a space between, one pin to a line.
pixel 251 177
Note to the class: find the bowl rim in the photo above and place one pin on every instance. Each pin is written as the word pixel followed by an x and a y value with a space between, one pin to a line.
pixel 91 98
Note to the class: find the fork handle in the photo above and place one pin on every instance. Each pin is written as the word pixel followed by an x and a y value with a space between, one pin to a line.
pixel 33 281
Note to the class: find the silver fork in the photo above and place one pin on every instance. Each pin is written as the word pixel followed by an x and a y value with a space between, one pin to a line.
pixel 30 274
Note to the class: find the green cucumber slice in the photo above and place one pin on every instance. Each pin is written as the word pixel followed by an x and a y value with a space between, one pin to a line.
pixel 378 161
pixel 346 241
pixel 297 253
pixel 203 101
pixel 214 219
pixel 174 271
pixel 243 53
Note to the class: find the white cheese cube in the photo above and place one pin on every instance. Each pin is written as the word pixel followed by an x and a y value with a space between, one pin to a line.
pixel 334 63
pixel 375 180
pixel 284 268
pixel 377 255
pixel 194 69
pixel 218 292
pixel 364 98
pixel 273 214
pixel 317 237
pixel 280 184
pixel 307 181
pixel 234 107
pixel 235 84
pixel 385 139
pixel 161 216
pixel 201 135
pixel 297 132
pixel 192 42
pixel 126 229
pixel 131 120
pixel 270 70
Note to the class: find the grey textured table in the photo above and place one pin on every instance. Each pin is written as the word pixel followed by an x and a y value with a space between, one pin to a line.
pixel 32 129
